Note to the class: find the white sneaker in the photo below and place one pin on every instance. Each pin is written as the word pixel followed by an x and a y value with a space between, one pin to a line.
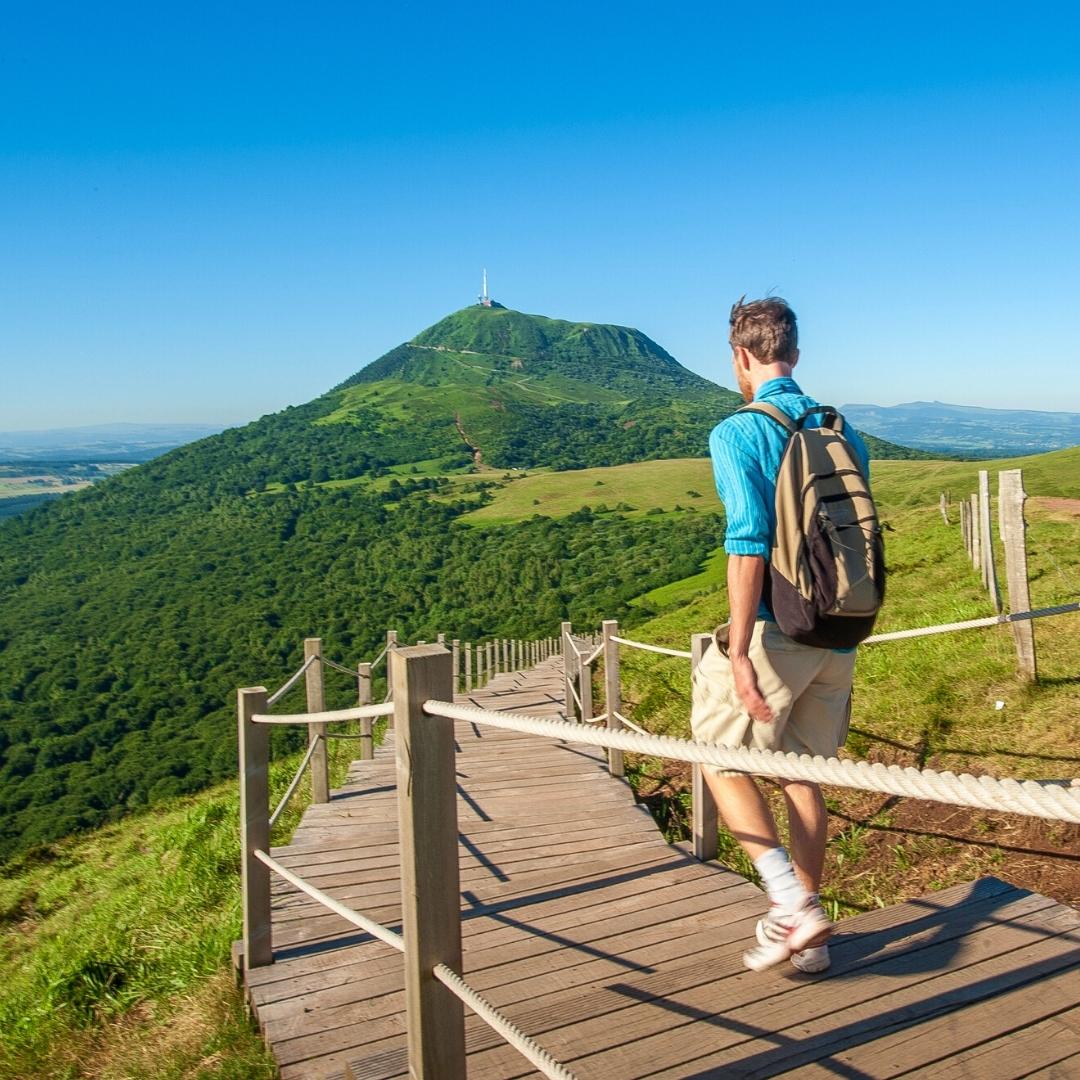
pixel 811 961
pixel 800 934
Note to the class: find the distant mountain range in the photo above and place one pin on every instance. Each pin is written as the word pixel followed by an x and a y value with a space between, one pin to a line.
pixel 966 429
pixel 101 442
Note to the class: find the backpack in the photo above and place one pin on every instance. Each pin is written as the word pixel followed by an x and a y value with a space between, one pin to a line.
pixel 826 579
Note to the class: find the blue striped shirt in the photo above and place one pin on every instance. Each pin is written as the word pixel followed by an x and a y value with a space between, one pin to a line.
pixel 746 449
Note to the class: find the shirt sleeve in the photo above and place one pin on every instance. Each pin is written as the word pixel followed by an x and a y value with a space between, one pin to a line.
pixel 860 448
pixel 740 484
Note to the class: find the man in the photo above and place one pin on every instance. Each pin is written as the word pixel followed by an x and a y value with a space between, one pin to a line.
pixel 755 686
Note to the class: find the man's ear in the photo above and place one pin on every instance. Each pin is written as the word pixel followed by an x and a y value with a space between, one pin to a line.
pixel 742 357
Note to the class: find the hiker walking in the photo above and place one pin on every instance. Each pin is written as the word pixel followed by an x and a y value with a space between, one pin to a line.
pixel 805 578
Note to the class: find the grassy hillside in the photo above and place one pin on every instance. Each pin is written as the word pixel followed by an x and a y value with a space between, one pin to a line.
pixel 114 946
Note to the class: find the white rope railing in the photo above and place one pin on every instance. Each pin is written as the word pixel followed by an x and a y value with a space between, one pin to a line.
pixel 376 930
pixel 570 641
pixel 972 624
pixel 487 1012
pixel 1055 800
pixel 278 694
pixel 631 725
pixel 295 782
pixel 351 672
pixel 653 648
pixel 576 695
pixel 358 712
pixel 588 661
pixel 379 659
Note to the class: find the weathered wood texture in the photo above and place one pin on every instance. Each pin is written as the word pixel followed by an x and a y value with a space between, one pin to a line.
pixel 621 954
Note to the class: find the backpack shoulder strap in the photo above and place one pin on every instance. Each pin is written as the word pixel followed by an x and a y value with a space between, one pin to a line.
pixel 830 417
pixel 773 413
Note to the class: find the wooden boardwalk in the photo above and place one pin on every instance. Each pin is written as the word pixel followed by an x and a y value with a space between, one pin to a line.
pixel 620 954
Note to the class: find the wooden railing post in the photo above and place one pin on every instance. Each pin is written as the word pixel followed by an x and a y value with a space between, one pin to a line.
pixel 430 879
pixel 568 672
pixel 986 538
pixel 705 820
pixel 254 744
pixel 363 697
pixel 943 505
pixel 391 645
pixel 973 520
pixel 316 702
pixel 455 663
pixel 468 666
pixel 612 691
pixel 1012 495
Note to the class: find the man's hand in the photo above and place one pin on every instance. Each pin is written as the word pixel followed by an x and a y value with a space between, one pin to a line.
pixel 746 686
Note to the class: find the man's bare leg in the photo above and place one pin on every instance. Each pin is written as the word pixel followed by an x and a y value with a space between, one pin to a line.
pixel 745 813
pixel 807 823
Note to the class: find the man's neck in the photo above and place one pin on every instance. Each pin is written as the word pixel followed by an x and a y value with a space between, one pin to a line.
pixel 760 374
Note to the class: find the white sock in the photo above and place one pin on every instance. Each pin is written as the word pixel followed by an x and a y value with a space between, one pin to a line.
pixel 778 877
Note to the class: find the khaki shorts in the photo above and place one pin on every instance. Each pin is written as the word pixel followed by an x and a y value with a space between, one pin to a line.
pixel 808 690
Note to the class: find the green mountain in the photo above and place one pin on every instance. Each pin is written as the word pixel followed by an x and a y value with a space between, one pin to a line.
pixel 524 390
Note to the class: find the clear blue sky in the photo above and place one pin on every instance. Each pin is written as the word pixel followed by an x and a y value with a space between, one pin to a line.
pixel 209 212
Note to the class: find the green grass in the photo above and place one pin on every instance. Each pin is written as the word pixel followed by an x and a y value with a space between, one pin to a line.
pixel 644 486
pixel 115 946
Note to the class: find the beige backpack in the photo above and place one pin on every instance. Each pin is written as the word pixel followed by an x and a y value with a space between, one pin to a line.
pixel 826 580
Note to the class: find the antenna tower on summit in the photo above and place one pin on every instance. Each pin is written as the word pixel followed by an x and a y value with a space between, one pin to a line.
pixel 485 300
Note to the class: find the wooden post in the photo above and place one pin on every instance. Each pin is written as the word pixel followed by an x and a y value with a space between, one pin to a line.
pixel 944 506
pixel 430 879
pixel 455 663
pixel 963 525
pixel 987 541
pixel 1012 495
pixel 391 645
pixel 973 525
pixel 585 689
pixel 441 639
pixel 254 743
pixel 705 820
pixel 612 691
pixel 316 702
pixel 363 697
pixel 468 666
pixel 568 672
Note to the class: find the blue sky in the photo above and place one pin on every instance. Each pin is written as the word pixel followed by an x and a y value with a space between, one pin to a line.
pixel 208 213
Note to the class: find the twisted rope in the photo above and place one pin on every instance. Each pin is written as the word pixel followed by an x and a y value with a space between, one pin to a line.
pixel 376 930
pixel 278 694
pixel 570 641
pixel 351 672
pixel 972 624
pixel 587 662
pixel 295 782
pixel 631 725
pixel 487 1012
pixel 378 659
pixel 1054 800
pixel 653 648
pixel 359 712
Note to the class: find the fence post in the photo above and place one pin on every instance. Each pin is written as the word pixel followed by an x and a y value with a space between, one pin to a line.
pixel 568 672
pixel 316 702
pixel 1012 495
pixel 944 506
pixel 455 663
pixel 612 691
pixel 468 666
pixel 391 645
pixel 986 537
pixel 705 820
pixel 254 744
pixel 964 526
pixel 430 878
pixel 973 526
pixel 363 697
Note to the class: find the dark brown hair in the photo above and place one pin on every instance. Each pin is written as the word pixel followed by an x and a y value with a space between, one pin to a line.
pixel 767 328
